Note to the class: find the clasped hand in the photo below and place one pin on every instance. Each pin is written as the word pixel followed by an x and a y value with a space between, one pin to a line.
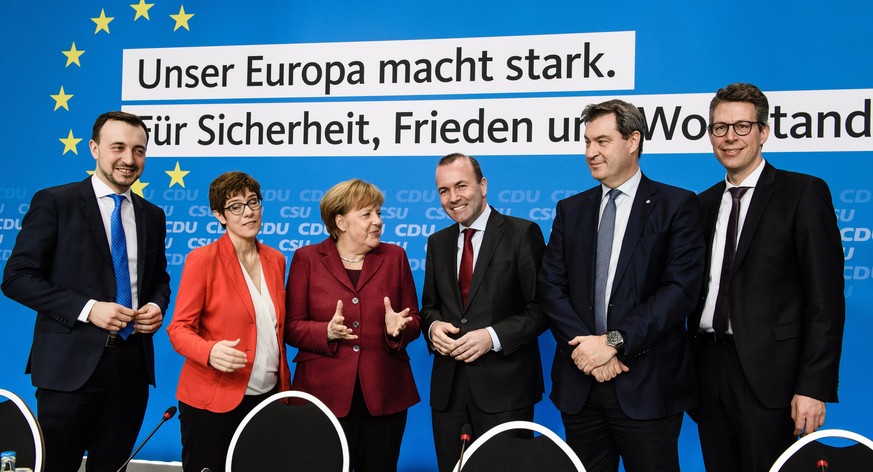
pixel 594 357
pixel 113 317
pixel 467 348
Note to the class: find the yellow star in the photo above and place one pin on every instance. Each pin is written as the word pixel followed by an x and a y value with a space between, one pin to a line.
pixel 73 55
pixel 182 18
pixel 61 99
pixel 102 22
pixel 70 143
pixel 138 186
pixel 177 176
pixel 142 9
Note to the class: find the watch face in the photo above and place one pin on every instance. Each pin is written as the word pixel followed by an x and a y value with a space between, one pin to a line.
pixel 613 338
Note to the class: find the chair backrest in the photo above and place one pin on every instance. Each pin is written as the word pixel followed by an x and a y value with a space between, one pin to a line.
pixel 806 453
pixel 496 450
pixel 289 431
pixel 20 432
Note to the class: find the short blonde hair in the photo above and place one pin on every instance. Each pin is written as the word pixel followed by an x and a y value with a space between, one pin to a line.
pixel 345 197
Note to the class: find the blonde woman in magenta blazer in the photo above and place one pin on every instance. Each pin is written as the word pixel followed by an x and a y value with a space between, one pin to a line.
pixel 229 314
pixel 352 310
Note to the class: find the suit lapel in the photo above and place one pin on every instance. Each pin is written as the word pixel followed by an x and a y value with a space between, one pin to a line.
pixel 91 211
pixel 141 231
pixel 760 198
pixel 331 260
pixel 372 263
pixel 446 248
pixel 230 264
pixel 273 285
pixel 644 201
pixel 490 240
pixel 584 231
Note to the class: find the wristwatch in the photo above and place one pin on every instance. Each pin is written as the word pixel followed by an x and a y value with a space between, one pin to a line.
pixel 614 339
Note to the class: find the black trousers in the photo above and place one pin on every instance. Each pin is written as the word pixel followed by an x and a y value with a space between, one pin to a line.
pixel 601 433
pixel 737 432
pixel 462 410
pixel 206 435
pixel 103 417
pixel 374 441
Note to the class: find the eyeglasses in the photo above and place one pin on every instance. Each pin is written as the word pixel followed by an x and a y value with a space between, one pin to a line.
pixel 742 128
pixel 238 208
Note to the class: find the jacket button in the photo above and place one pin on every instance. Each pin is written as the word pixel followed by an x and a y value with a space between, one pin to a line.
pixel 463 320
pixel 355 324
pixel 355 300
pixel 356 348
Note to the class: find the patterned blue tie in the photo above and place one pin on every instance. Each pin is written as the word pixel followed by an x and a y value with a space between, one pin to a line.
pixel 605 233
pixel 119 263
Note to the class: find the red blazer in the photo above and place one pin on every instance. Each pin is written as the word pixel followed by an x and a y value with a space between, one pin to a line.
pixel 214 304
pixel 316 280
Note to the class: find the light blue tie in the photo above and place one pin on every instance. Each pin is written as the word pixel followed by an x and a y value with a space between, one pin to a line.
pixel 119 263
pixel 605 233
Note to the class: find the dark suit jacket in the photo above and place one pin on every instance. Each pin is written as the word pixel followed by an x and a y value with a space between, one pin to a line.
pixel 787 302
pixel 61 260
pixel 214 304
pixel 656 283
pixel 503 296
pixel 316 280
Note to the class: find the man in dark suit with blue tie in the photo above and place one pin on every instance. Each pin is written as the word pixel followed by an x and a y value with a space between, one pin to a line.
pixel 620 276
pixel 479 312
pixel 772 309
pixel 90 260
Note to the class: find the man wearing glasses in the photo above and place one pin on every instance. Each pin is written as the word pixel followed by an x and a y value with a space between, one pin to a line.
pixel 770 319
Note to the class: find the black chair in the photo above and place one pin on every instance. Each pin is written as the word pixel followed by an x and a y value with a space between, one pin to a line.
pixel 289 431
pixel 496 450
pixel 20 432
pixel 812 455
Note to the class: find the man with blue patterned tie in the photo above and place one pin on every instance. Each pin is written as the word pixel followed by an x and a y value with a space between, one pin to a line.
pixel 90 260
pixel 619 278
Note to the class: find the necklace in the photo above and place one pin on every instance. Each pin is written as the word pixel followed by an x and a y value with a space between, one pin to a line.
pixel 353 261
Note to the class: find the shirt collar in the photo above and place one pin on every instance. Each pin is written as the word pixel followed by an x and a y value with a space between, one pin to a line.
pixel 103 190
pixel 751 180
pixel 629 187
pixel 481 221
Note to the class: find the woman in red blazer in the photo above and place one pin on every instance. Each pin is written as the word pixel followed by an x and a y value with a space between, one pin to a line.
pixel 352 309
pixel 229 315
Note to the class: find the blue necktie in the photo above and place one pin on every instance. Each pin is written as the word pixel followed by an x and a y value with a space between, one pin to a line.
pixel 119 263
pixel 605 234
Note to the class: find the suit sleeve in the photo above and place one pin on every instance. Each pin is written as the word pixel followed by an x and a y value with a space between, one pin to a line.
pixel 184 330
pixel 303 329
pixel 678 288
pixel 519 329
pixel 554 290
pixel 26 278
pixel 430 297
pixel 819 250
pixel 160 283
pixel 408 299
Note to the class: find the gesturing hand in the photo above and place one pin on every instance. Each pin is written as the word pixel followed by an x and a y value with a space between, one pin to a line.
pixel 395 322
pixel 335 327
pixel 223 357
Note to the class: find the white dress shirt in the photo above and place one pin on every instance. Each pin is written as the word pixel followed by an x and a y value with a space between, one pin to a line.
pixel 719 239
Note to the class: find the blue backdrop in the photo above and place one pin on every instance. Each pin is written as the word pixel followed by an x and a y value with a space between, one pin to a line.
pixel 505 72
